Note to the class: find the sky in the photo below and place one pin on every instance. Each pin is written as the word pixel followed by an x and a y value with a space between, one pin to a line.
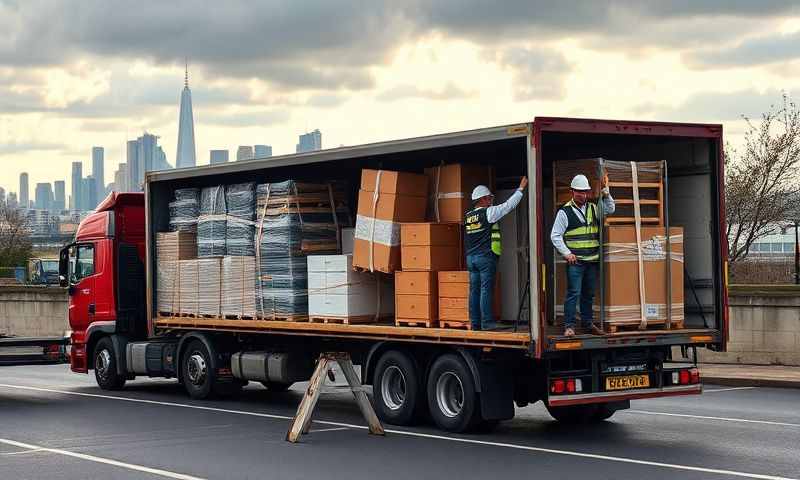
pixel 74 75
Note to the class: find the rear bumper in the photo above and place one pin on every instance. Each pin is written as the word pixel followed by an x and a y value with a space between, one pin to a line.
pixel 602 397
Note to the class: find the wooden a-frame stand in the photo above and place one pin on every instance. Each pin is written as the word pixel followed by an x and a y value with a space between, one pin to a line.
pixel 302 420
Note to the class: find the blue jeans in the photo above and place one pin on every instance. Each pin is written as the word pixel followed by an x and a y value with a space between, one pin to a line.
pixel 482 269
pixel 581 279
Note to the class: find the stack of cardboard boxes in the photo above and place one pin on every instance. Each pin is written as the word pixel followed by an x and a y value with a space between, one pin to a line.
pixel 454 299
pixel 635 283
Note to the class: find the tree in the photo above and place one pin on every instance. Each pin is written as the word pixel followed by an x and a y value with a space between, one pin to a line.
pixel 15 242
pixel 761 183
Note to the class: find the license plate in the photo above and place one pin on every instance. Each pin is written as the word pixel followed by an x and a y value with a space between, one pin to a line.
pixel 627 381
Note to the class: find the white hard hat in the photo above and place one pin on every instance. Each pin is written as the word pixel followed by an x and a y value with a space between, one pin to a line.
pixel 480 192
pixel 580 182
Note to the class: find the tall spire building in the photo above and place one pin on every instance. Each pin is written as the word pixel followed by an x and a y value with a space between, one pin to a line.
pixel 186 151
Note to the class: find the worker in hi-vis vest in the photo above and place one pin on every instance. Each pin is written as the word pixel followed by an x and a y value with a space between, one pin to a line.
pixel 576 236
pixel 482 245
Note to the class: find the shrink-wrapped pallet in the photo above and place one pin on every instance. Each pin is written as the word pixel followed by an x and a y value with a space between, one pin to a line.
pixel 166 286
pixel 240 227
pixel 211 223
pixel 184 209
pixel 188 280
pixel 238 286
pixel 210 286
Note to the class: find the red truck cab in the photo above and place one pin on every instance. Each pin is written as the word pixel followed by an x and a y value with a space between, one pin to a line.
pixel 103 269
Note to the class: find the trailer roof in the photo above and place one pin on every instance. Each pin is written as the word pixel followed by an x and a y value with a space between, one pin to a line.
pixel 340 153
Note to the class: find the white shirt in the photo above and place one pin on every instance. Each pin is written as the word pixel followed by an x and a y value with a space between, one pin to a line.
pixel 495 212
pixel 562 222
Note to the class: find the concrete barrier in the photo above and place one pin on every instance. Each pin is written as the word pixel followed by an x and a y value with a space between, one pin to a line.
pixel 33 311
pixel 764 326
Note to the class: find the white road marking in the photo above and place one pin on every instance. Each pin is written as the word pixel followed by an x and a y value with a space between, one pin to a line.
pixel 335 429
pixel 706 417
pixel 107 461
pixel 514 446
pixel 23 452
pixel 705 390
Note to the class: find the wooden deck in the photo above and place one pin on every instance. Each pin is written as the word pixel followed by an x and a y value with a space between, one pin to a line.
pixel 505 339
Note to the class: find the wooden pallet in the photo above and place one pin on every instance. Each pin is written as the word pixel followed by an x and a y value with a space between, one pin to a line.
pixel 611 327
pixel 239 317
pixel 416 322
pixel 343 320
pixel 455 324
pixel 285 318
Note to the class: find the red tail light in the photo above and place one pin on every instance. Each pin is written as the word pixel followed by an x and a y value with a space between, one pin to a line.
pixel 557 386
pixel 684 377
pixel 694 375
pixel 570 385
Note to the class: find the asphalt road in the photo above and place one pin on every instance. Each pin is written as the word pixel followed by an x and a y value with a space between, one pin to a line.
pixel 58 425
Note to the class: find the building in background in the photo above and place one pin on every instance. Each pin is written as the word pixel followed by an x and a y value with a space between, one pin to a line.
pixel 186 151
pixel 76 194
pixel 144 155
pixel 2 196
pixel 121 178
pixel 23 190
pixel 11 200
pixel 44 196
pixel 310 142
pixel 98 171
pixel 218 156
pixel 59 196
pixel 262 151
pixel 89 194
pixel 245 152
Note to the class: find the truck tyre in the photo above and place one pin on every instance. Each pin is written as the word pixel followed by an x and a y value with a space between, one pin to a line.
pixel 277 387
pixel 574 413
pixel 105 366
pixel 396 389
pixel 452 398
pixel 199 374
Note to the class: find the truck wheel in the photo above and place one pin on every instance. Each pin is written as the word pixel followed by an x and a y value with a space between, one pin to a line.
pixel 277 387
pixel 197 370
pixel 396 389
pixel 105 366
pixel 574 413
pixel 452 399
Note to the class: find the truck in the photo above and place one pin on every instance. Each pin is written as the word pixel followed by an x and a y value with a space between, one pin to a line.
pixel 43 271
pixel 461 379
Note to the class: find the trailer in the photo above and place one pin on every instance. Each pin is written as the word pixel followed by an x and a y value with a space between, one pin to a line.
pixel 463 379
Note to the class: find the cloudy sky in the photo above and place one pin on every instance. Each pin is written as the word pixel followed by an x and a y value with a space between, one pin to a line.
pixel 78 74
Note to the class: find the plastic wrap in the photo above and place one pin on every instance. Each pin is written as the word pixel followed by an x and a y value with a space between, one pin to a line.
pixel 240 227
pixel 212 222
pixel 238 287
pixel 184 209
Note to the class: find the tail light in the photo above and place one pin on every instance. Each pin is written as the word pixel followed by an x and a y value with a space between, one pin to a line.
pixel 694 375
pixel 568 385
pixel 557 386
pixel 684 377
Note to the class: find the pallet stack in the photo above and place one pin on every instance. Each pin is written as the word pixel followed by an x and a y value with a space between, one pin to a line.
pixel 238 287
pixel 635 283
pixel 173 249
pixel 454 299
pixel 426 248
pixel 294 220
pixel 212 222
pixel 339 294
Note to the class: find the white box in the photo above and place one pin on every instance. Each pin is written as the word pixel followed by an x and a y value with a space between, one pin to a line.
pixel 335 290
pixel 330 263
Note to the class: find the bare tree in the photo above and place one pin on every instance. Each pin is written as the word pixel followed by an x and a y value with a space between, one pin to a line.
pixel 761 183
pixel 15 243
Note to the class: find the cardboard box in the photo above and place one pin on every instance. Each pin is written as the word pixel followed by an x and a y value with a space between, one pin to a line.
pixel 181 245
pixel 335 290
pixel 422 307
pixel 400 197
pixel 450 187
pixel 209 301
pixel 415 283
pixel 431 246
pixel 239 286
pixel 423 258
pixel 454 296
pixel 430 234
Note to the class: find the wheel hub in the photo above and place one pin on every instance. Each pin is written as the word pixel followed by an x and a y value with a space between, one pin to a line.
pixel 196 369
pixel 393 388
pixel 450 394
pixel 102 362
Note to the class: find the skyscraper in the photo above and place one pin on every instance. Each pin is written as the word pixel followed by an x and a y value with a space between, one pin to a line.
pixel 89 193
pixel 245 152
pixel 23 190
pixel 310 141
pixel 218 156
pixel 60 199
pixel 134 170
pixel 44 196
pixel 121 178
pixel 2 196
pixel 77 187
pixel 186 152
pixel 11 201
pixel 263 151
pixel 98 171
pixel 144 155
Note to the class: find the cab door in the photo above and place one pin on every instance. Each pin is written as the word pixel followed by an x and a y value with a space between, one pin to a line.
pixel 82 307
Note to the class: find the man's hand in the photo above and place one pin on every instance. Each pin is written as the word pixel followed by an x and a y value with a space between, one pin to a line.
pixel 523 183
pixel 571 259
